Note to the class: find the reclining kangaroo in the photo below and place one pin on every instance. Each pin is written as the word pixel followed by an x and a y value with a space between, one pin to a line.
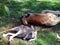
pixel 48 19
pixel 22 31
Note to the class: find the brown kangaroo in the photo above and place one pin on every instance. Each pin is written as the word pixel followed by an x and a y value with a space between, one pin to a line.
pixel 48 19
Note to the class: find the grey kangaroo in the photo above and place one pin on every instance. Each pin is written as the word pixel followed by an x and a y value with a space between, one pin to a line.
pixel 22 31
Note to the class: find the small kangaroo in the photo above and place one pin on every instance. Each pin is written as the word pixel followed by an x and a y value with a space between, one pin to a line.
pixel 22 31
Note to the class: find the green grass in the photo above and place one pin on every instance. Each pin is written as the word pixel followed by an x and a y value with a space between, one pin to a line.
pixel 46 37
pixel 37 0
pixel 43 38
pixel 16 8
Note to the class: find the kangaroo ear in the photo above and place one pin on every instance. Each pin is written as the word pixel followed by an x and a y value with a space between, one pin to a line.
pixel 27 15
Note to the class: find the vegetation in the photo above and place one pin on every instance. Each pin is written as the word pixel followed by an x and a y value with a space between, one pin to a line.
pixel 13 9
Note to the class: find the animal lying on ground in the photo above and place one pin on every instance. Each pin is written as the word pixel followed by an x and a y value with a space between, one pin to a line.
pixel 22 31
pixel 48 19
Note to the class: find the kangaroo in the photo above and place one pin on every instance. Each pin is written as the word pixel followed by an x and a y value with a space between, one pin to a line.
pixel 48 19
pixel 22 31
